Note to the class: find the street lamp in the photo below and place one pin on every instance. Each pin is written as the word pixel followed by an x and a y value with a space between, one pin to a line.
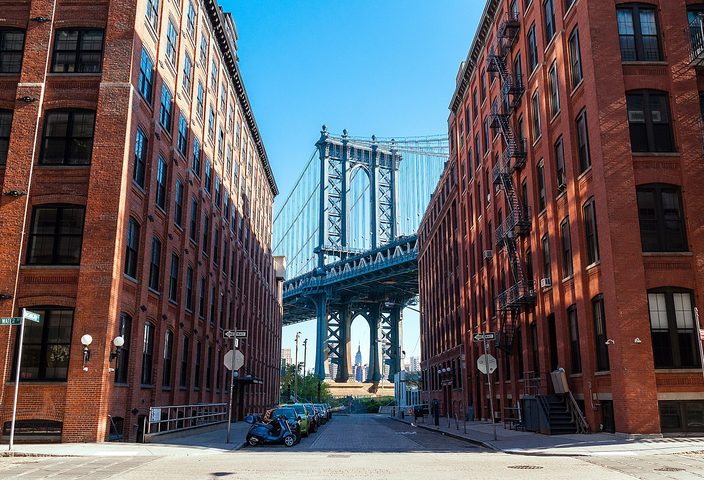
pixel 295 373
pixel 305 355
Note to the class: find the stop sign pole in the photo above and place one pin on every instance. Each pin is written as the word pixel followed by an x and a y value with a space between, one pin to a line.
pixel 484 338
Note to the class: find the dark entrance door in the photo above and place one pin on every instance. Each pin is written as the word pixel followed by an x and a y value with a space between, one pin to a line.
pixel 552 332
pixel 141 424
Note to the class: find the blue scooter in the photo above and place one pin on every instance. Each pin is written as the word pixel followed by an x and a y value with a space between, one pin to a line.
pixel 278 431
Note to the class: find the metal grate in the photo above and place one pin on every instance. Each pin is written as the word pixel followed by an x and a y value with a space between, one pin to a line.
pixel 525 467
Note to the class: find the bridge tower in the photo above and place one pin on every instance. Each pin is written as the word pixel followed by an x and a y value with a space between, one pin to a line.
pixel 339 157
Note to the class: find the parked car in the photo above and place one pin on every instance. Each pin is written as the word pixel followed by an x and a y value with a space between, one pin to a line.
pixel 291 416
pixel 315 416
pixel 322 411
pixel 303 418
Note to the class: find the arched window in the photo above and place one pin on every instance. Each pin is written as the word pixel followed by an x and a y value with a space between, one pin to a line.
pixel 148 354
pixel 673 328
pixel 132 248
pixel 168 356
pixel 46 348
pixel 68 137
pixel 56 235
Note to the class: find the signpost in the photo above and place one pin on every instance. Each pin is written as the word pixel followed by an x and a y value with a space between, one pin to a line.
pixel 701 338
pixel 487 364
pixel 32 317
pixel 233 360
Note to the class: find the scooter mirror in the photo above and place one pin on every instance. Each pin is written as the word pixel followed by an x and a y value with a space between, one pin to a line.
pixel 249 419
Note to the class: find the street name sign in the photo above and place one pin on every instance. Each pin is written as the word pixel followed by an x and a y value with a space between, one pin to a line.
pixel 31 316
pixel 480 337
pixel 241 334
pixel 486 364
pixel 10 320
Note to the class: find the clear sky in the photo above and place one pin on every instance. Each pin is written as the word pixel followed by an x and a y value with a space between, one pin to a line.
pixel 384 67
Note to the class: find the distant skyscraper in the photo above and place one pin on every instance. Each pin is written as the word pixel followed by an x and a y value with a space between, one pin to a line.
pixel 286 358
pixel 415 364
pixel 364 369
pixel 332 369
pixel 359 373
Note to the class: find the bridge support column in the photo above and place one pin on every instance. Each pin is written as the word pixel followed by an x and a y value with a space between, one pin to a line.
pixel 396 346
pixel 374 375
pixel 322 335
pixel 343 358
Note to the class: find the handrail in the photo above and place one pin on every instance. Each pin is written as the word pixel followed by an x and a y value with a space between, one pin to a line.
pixel 184 417
pixel 576 411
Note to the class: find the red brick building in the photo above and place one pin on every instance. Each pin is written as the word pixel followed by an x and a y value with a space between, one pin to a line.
pixel 575 132
pixel 137 202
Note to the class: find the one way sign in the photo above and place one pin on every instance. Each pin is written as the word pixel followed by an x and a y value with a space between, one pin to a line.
pixel 235 333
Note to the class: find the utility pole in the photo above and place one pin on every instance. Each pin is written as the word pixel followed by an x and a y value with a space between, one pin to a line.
pixel 305 354
pixel 295 371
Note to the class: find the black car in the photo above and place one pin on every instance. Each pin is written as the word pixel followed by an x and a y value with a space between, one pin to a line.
pixel 291 417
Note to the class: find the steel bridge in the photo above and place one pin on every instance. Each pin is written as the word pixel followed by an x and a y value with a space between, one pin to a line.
pixel 348 230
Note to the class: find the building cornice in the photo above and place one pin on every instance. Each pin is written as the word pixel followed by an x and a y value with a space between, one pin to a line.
pixel 218 21
pixel 475 51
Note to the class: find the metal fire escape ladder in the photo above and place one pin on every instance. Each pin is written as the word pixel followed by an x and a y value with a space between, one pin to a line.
pixel 517 222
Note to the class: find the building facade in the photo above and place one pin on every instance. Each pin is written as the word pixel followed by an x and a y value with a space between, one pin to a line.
pixel 575 129
pixel 141 208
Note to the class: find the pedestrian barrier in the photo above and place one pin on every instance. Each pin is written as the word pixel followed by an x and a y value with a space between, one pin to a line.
pixel 176 418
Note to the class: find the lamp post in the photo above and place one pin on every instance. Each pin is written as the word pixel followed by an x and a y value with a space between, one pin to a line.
pixel 305 355
pixel 295 372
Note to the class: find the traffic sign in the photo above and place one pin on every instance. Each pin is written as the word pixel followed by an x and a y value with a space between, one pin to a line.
pixel 241 333
pixel 233 360
pixel 10 320
pixel 31 316
pixel 486 363
pixel 480 337
pixel 229 333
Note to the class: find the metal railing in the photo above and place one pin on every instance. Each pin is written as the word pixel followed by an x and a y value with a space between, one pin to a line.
pixel 174 418
pixel 696 35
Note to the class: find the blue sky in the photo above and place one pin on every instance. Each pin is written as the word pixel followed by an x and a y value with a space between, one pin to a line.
pixel 384 67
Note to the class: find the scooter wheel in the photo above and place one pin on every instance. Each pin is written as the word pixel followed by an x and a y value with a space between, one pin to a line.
pixel 289 440
pixel 252 441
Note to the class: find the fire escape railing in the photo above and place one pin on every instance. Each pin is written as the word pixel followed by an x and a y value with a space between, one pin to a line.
pixel 518 219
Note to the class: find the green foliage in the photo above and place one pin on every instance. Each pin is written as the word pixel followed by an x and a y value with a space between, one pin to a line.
pixel 307 387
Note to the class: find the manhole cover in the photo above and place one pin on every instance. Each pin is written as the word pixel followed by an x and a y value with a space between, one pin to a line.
pixel 525 467
pixel 669 469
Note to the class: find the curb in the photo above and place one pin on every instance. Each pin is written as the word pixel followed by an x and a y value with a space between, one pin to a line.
pixel 451 435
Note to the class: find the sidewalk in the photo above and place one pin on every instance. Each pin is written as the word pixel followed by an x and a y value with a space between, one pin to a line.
pixel 206 443
pixel 529 443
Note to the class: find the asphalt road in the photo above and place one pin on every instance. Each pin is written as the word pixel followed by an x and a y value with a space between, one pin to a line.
pixel 361 447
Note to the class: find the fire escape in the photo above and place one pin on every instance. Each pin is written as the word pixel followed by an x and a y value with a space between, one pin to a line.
pixel 517 222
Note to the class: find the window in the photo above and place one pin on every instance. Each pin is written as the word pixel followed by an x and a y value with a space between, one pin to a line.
pixel 168 354
pixel 161 184
pixel 218 192
pixel 649 121
pixel 535 114
pixel 208 180
pixel 189 288
pixel 532 49
pixel 591 232
pixel 187 74
pixel 486 135
pixel 123 359
pixel 191 20
pixel 575 57
pixel 560 165
pixel 146 77
pixel 46 347
pixel 585 160
pixel 200 94
pixel 5 128
pixel 549 11
pixel 147 354
pixel 553 86
pixel 193 226
pixel 11 48
pixel 167 108
pixel 214 76
pixel 600 337
pixel 68 137
pixel 173 278
pixel 153 13
pixel 132 248
pixel 201 298
pixel 208 369
pixel 661 218
pixel 206 234
pixel 182 134
pixel 56 235
pixel 575 355
pixel 140 158
pixel 203 50
pixel 183 374
pixel 216 247
pixel 155 265
pixel 482 85
pixel 77 51
pixel 196 380
pixel 171 36
pixel 673 328
pixel 638 33
pixel 195 165
pixel 566 248
pixel 547 270
pixel 211 122
pixel 178 203
pixel 542 202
